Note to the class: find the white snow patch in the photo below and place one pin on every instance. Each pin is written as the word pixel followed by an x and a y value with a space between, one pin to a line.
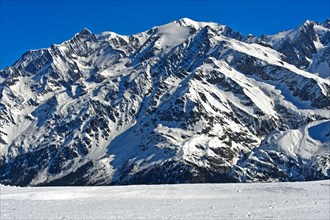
pixel 172 35
pixel 299 142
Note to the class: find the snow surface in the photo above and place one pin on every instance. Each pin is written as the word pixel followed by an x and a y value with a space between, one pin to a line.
pixel 295 200
pixel 187 22
pixel 173 35
pixel 304 142
pixel 321 132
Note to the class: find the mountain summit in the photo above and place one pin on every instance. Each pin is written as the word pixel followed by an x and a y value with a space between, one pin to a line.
pixel 184 102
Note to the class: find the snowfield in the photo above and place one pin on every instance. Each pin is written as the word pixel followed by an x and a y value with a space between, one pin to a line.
pixel 295 200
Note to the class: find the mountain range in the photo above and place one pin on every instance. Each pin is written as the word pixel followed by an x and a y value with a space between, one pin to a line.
pixel 184 102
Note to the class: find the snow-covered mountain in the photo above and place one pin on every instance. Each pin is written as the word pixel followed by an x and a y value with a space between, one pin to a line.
pixel 306 47
pixel 183 102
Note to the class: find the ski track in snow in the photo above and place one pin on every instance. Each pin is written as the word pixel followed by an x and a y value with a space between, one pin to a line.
pixel 299 200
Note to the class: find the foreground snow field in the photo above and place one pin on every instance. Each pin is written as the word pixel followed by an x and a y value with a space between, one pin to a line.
pixel 299 200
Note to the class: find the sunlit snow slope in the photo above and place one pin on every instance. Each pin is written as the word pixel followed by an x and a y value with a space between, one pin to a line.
pixel 183 102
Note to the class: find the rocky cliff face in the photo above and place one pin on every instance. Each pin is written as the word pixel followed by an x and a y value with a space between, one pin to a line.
pixel 183 102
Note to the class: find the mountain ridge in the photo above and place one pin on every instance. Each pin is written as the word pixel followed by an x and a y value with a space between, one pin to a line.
pixel 183 102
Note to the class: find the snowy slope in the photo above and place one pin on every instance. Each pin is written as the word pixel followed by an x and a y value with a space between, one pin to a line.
pixel 299 200
pixel 183 102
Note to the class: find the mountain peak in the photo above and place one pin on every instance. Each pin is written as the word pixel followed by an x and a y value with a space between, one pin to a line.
pixel 85 32
pixel 186 22
pixel 309 23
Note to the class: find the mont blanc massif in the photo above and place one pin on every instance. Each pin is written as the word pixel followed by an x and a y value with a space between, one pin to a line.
pixel 184 102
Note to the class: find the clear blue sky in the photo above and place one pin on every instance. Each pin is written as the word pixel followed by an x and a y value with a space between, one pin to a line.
pixel 37 24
